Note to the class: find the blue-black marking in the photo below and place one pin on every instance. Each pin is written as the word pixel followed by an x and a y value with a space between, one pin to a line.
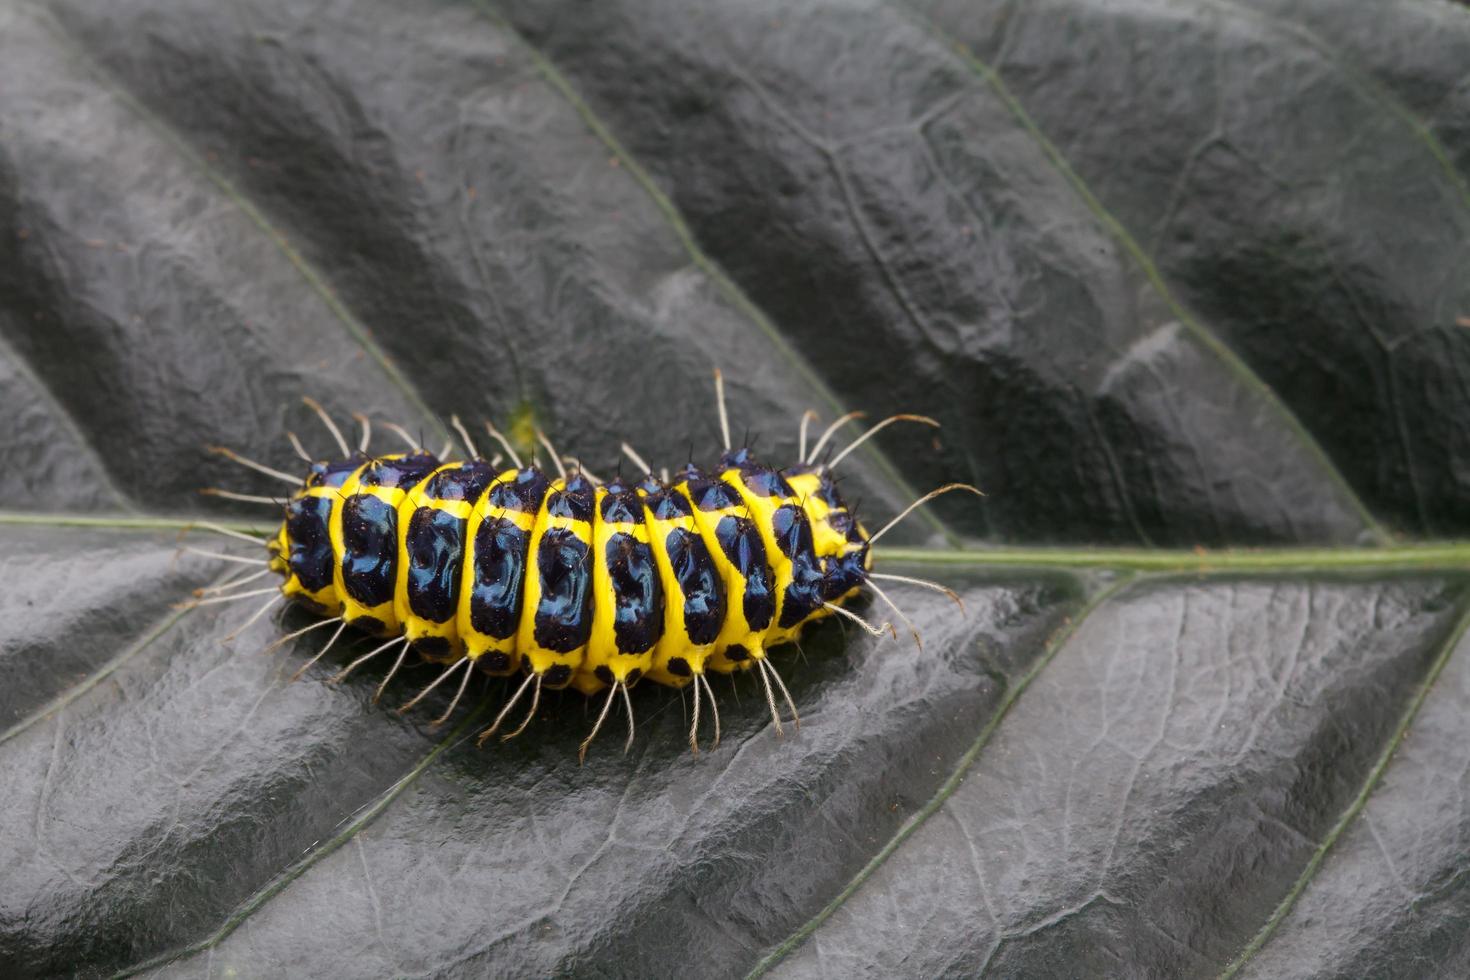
pixel 434 542
pixel 522 493
pixel 704 592
pixel 575 501
pixel 564 615
pixel 804 594
pixel 308 531
pixel 638 597
pixel 334 473
pixel 402 472
pixel 620 506
pixel 499 558
pixel 740 540
pixel 467 481
pixel 714 494
pixel 369 549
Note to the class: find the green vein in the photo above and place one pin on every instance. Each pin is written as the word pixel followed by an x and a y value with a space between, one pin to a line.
pixel 1431 556
pixel 709 266
pixel 1367 84
pixel 1424 557
pixel 319 285
pixel 962 766
pixel 123 522
pixel 276 885
pixel 92 680
pixel 1214 344
pixel 1350 814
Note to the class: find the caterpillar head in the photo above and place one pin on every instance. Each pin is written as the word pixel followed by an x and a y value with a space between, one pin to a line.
pixel 840 540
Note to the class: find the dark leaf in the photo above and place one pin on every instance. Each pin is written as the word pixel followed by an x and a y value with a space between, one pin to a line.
pixel 1176 278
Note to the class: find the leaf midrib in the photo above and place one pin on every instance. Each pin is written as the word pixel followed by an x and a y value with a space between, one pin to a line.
pixel 1417 556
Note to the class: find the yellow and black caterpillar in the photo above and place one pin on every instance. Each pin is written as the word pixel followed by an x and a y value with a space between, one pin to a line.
pixel 575 581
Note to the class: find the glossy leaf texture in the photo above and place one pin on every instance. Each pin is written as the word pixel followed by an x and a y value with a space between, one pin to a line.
pixel 1183 281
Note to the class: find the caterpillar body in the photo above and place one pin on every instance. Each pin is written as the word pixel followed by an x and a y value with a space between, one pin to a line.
pixel 571 580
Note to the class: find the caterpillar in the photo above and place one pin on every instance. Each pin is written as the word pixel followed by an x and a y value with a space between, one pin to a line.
pixel 572 580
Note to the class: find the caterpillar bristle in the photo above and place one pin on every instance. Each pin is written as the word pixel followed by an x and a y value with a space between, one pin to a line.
pixel 918 640
pixel 464 437
pixel 597 727
pixel 874 430
pixel 367 431
pixel 296 445
pixel 948 487
pixel 248 498
pixel 830 431
pixel 402 433
pixel 764 671
pixel 575 580
pixel 530 712
pixel 320 653
pixel 949 593
pixel 235 457
pixel 321 413
pixel 448 672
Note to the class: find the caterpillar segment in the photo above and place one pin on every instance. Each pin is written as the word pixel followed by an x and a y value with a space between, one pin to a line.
pixel 569 580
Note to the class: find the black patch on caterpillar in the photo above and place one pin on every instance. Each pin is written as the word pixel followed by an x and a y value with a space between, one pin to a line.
pixel 633 676
pixel 369 624
pixel 369 549
pixel 704 591
pixel 666 505
pixel 603 674
pixel 638 598
pixel 737 653
pixel 496 662
pixel 523 493
pixel 843 573
pixel 403 472
pixel 576 501
pixel 307 529
pixel 766 482
pixel 679 667
pixel 557 675
pixel 499 558
pixel 740 540
pixel 621 507
pixel 466 482
pixel 564 615
pixel 335 472
pixel 434 542
pixel 714 494
pixel 432 646
pixel 793 533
